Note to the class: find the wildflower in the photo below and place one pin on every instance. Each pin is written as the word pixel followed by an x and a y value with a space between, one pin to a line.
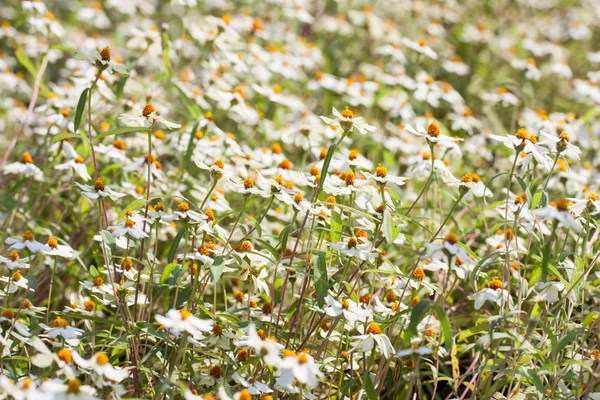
pixel 559 212
pixel 76 164
pixel 301 367
pixel 99 363
pixel 494 294
pixel 61 327
pixel 102 60
pixel 381 176
pixel 178 321
pixel 351 310
pixel 14 261
pixel 432 133
pixel 27 240
pixel 24 167
pixel 99 189
pixel 421 47
pixel 373 336
pixel 148 117
pixel 348 122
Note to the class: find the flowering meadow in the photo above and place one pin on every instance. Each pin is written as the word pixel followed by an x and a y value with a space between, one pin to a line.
pixel 295 199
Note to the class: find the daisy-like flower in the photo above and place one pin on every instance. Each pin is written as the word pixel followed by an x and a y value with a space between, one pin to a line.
pixel 421 47
pixel 77 165
pixel 559 212
pixel 549 291
pixel 531 70
pixel 257 340
pixel 148 118
pixel 352 248
pixel 432 133
pixel 24 167
pixel 27 240
pixel 502 95
pixel 350 309
pixel 494 294
pixel 102 60
pixel 8 315
pixel 372 336
pixel 59 249
pixel 99 189
pixel 300 367
pixel 60 327
pixel 100 364
pixel 591 204
pixel 381 176
pixel 178 321
pixel 448 247
pixel 523 141
pixel 72 390
pixel 45 357
pixel 456 66
pixel 183 212
pixel 348 122
pixel 130 227
pixel 15 281
pixel 561 144
pixel 13 261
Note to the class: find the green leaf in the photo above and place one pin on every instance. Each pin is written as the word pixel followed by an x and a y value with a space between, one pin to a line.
pixel 445 325
pixel 369 388
pixel 94 271
pixel 525 189
pixel 109 239
pixel 418 313
pixel 121 130
pixel 216 270
pixel 25 61
pixel 166 51
pixel 326 167
pixel 167 272
pixel 183 296
pixel 390 231
pixel 80 108
pixel 63 136
pixel 175 244
pixel 335 227
pixel 190 147
pixel 565 341
pixel 321 281
pixel 284 237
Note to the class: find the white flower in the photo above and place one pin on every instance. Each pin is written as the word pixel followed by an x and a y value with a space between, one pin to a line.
pixel 421 46
pixel 178 321
pixel 549 291
pixel 350 309
pixel 99 190
pixel 501 96
pixel 299 366
pixel 373 336
pixel 59 249
pixel 148 117
pixel 28 241
pixel 130 227
pixel 494 294
pixel 61 327
pixel 100 364
pixel 561 144
pixel 45 357
pixel 77 165
pixel 101 59
pixel 432 133
pixel 13 261
pixel 258 341
pixel 381 176
pixel 352 248
pixel 15 281
pixel 348 122
pixel 456 66
pixel 561 213
pixel 24 167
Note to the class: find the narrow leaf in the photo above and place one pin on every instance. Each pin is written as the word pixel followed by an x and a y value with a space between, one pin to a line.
pixel 80 108
pixel 321 282
pixel 121 130
pixel 174 245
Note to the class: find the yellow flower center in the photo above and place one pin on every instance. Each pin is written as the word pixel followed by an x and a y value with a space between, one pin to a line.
pixel 13 256
pixel 60 323
pixel 73 386
pixel 248 183
pixel 373 329
pixel 98 281
pixel 564 137
pixel 28 236
pixel 183 207
pixel 298 198
pixel 101 358
pixel 352 243
pixel 495 283
pixel 65 355
pixel 105 53
pixel 522 134
pixel 8 313
pixel 52 242
pixel 129 223
pixel 16 276
pixel 418 274
pixel 148 109
pixel 347 113
pixel 99 184
pixel 381 171
pixel 562 204
pixel 433 129
pixel 185 314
